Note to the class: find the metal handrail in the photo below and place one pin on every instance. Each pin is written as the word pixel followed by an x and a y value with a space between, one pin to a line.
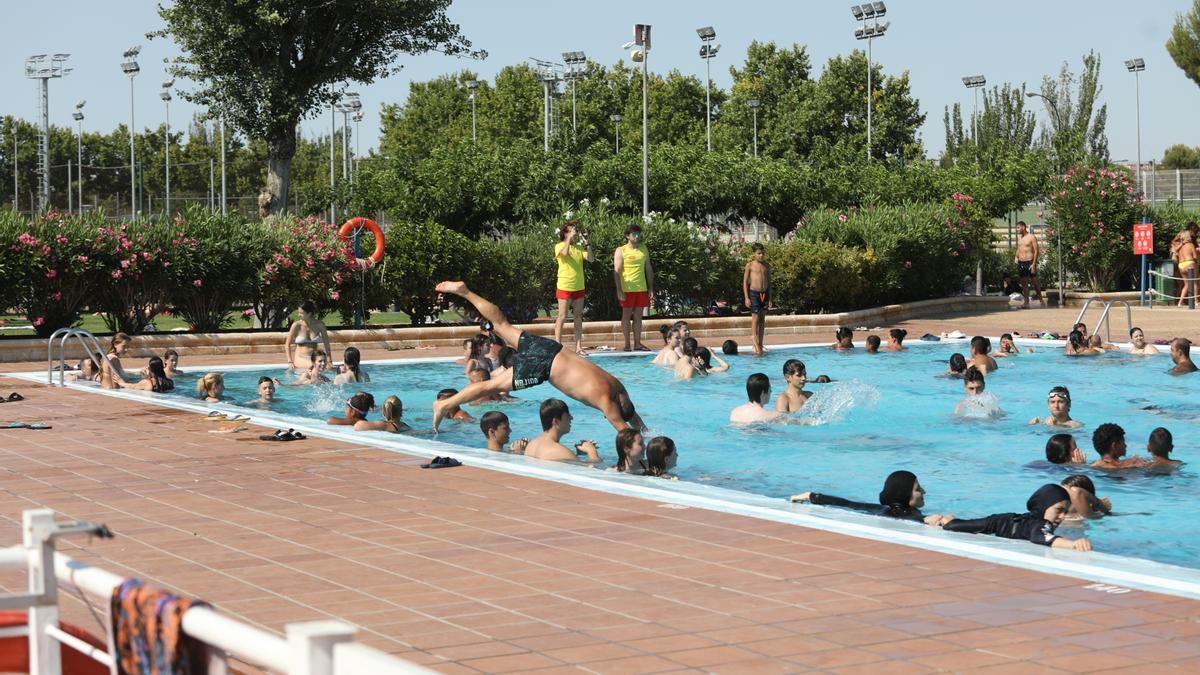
pixel 63 335
pixel 1104 315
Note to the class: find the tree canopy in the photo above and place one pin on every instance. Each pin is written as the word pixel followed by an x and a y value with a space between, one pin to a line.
pixel 1184 43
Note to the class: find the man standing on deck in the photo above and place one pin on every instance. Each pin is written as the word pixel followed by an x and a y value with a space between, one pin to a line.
pixel 1027 259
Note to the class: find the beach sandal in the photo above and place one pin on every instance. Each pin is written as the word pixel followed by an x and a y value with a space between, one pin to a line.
pixel 14 397
pixel 231 429
pixel 642 348
pixel 15 425
pixel 39 425
pixel 581 352
pixel 442 463
pixel 279 435
pixel 215 416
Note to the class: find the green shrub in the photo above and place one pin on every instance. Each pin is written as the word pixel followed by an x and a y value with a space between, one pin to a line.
pixel 816 276
pixel 1095 210
pixel 136 256
pixel 419 255
pixel 306 261
pixel 49 268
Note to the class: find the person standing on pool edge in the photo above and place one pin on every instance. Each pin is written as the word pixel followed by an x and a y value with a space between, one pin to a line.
pixel 539 359
pixel 570 288
pixel 1027 259
pixel 634 277
pixel 756 289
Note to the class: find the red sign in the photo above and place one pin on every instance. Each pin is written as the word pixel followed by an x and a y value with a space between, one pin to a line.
pixel 1143 238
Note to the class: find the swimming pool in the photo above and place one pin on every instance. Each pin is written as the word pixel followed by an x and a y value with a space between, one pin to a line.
pixel 883 413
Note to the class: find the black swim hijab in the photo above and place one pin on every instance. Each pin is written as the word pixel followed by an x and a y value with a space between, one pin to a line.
pixel 898 488
pixel 1046 496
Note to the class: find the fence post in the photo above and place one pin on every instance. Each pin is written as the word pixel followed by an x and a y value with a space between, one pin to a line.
pixel 45 656
pixel 311 645
pixel 1178 186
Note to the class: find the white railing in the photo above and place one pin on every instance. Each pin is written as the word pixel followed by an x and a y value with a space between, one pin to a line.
pixel 310 648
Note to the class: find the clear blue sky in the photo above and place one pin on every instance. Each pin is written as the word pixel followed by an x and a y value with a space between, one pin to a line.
pixel 938 41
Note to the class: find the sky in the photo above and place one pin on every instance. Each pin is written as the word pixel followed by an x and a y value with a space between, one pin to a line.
pixel 937 41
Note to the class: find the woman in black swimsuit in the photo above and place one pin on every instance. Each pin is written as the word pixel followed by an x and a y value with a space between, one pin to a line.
pixel 1045 511
pixel 902 497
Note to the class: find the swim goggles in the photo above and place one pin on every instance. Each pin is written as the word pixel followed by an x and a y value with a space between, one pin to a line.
pixel 1058 394
pixel 354 408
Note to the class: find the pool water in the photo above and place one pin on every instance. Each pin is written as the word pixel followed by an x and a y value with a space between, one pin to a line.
pixel 883 412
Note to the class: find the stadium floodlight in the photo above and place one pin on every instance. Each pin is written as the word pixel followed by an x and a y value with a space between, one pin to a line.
pixel 45 68
pixel 707 52
pixel 78 117
pixel 974 82
pixel 870 11
pixel 1136 66
pixel 577 69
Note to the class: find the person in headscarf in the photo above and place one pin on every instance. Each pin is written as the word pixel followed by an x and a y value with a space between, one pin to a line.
pixel 902 497
pixel 1044 512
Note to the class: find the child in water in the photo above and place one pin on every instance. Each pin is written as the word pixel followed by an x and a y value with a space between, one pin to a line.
pixel 1160 446
pixel 1059 402
pixel 1045 510
pixel 796 376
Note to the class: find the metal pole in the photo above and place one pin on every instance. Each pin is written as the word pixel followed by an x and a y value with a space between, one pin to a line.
pixel 132 159
pixel 224 198
pixel 345 147
pixel 869 106
pixel 212 190
pixel 574 128
pixel 357 148
pixel 332 175
pixel 79 151
pixel 545 115
pixel 756 131
pixel 645 132
pixel 70 192
pixel 44 197
pixel 708 100
pixel 1142 300
pixel 16 201
pixel 1137 83
pixel 167 154
pixel 615 124
pixel 975 121
pixel 474 135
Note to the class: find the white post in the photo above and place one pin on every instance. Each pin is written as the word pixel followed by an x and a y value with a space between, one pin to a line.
pixel 224 201
pixel 79 151
pixel 869 101
pixel 70 192
pixel 708 98
pixel 310 645
pixel 45 657
pixel 167 158
pixel 332 175
pixel 645 130
pixel 132 159
pixel 1178 186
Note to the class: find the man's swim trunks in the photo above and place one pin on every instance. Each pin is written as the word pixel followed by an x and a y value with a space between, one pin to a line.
pixel 1025 268
pixel 759 301
pixel 531 364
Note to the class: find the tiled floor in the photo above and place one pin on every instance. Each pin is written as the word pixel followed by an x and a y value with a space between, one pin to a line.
pixel 468 570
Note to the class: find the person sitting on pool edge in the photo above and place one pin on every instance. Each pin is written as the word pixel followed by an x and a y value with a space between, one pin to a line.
pixel 1045 510
pixel 556 423
pixel 453 412
pixel 793 396
pixel 902 497
pixel 357 407
pixel 758 391
pixel 1138 344
pixel 845 339
pixel 1061 449
pixel 538 360
pixel 873 342
pixel 1059 402
pixel 1160 446
pixel 1084 502
pixel 393 410
pixel 1109 441
pixel 1181 349
pixel 496 429
pixel 981 347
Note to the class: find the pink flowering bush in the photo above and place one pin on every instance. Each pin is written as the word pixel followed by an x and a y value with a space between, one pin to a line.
pixel 305 260
pixel 1094 210
pixel 135 257
pixel 48 267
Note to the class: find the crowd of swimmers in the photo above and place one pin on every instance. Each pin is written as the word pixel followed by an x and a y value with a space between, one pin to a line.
pixel 902 496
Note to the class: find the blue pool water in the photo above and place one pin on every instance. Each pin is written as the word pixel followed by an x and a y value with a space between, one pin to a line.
pixel 884 412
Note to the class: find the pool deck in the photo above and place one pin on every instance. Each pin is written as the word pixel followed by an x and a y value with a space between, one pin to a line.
pixel 471 570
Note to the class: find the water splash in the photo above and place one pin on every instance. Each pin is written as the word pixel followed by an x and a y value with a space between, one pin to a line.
pixel 325 399
pixel 832 403
pixel 983 406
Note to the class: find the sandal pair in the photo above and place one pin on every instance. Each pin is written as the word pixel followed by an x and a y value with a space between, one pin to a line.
pixel 22 425
pixel 12 398
pixel 283 435
pixel 442 463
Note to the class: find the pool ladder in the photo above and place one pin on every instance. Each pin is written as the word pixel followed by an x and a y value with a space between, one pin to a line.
pixel 1104 315
pixel 86 340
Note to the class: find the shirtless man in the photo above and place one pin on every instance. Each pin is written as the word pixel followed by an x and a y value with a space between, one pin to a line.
pixel 556 423
pixel 537 360
pixel 756 288
pixel 796 376
pixel 980 346
pixel 1109 442
pixel 1138 345
pixel 758 391
pixel 1027 259
pixel 1181 349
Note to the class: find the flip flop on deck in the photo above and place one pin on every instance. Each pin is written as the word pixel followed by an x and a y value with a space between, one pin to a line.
pixel 283 435
pixel 14 397
pixel 442 463
pixel 15 425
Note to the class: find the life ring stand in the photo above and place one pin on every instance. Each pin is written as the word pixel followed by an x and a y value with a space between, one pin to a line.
pixel 358 223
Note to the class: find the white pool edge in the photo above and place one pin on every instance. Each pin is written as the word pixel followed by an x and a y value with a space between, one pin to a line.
pixel 1105 568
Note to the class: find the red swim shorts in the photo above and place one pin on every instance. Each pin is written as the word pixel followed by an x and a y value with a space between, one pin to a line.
pixel 568 295
pixel 635 299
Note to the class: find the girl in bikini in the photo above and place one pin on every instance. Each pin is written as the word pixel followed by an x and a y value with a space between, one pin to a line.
pixel 351 371
pixel 156 379
pixel 1187 266
pixel 306 336
pixel 393 409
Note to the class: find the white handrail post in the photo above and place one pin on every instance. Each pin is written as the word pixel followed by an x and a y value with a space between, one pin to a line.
pixel 311 645
pixel 45 657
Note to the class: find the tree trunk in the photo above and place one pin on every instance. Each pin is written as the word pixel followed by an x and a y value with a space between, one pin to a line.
pixel 281 147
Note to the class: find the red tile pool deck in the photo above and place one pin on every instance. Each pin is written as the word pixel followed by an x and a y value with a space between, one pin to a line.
pixel 471 570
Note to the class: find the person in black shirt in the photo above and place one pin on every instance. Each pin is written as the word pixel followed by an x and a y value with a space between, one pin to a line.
pixel 902 497
pixel 1045 511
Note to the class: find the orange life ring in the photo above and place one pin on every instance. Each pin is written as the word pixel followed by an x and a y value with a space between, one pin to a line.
pixel 348 228
pixel 14 650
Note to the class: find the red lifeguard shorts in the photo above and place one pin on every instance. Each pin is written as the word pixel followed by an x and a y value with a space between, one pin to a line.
pixel 568 295
pixel 636 299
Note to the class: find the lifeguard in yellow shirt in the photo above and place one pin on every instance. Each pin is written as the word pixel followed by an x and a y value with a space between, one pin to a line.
pixel 570 289
pixel 634 276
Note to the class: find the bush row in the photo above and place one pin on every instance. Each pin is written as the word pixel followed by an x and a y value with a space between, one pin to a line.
pixel 203 266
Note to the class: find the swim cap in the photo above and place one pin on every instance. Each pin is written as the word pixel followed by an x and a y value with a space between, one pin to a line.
pixel 897 489
pixel 1046 496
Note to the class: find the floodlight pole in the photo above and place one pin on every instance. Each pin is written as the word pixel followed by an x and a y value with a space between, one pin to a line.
pixel 870 102
pixel 166 98
pixel 754 103
pixel 645 121
pixel 132 157
pixel 44 192
pixel 707 35
pixel 616 120
pixel 79 154
pixel 332 159
pixel 224 200
pixel 472 86
pixel 1136 66
pixel 45 67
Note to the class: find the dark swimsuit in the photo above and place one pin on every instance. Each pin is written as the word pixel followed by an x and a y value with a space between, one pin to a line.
pixel 532 362
pixel 1028 526
pixel 892 511
pixel 1025 268
pixel 759 301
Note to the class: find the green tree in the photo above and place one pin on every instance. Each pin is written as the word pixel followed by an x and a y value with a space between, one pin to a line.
pixel 266 65
pixel 1004 129
pixel 839 113
pixel 1076 133
pixel 1180 156
pixel 1184 43
pixel 779 79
